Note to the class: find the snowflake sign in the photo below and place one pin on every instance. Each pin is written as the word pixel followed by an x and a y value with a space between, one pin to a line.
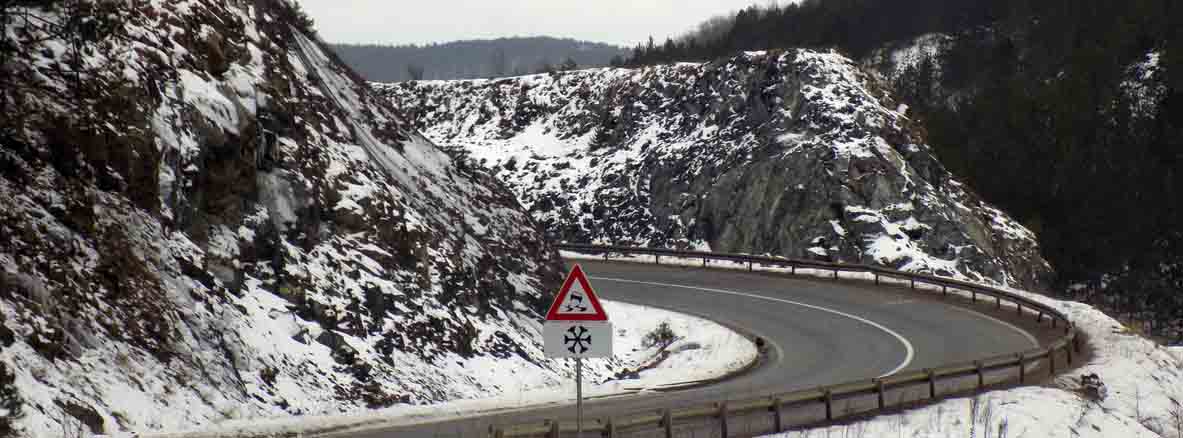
pixel 577 339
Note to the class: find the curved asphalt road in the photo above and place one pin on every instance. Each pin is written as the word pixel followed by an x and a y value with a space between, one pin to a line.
pixel 820 332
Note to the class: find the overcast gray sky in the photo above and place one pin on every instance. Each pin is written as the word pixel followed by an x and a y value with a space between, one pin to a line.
pixel 622 22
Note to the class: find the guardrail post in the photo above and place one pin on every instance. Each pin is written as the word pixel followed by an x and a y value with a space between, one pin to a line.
pixel 723 419
pixel 554 429
pixel 704 262
pixel 667 423
pixel 609 428
pixel 777 421
pixel 793 270
pixel 876 278
pixel 835 274
pixel 829 399
pixel 1019 307
pixel 749 266
pixel 879 392
pixel 913 283
pixel 1022 369
pixel 998 302
pixel 1039 319
pixel 932 383
pixel 981 377
pixel 973 294
pixel 944 290
pixel 657 259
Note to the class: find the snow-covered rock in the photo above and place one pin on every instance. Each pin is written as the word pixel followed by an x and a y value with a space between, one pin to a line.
pixel 204 216
pixel 794 153
pixel 1144 87
pixel 891 61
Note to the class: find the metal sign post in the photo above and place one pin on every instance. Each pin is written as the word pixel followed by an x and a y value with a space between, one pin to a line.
pixel 579 397
pixel 577 327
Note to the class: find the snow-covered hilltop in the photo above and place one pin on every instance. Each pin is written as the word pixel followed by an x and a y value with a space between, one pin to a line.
pixel 794 153
pixel 204 216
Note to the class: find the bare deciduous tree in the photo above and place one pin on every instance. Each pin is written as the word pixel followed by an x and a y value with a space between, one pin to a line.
pixel 1175 412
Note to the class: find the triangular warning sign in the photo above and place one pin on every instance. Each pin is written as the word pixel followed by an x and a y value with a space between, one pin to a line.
pixel 576 300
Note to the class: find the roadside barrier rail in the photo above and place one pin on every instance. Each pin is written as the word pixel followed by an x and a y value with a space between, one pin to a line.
pixel 821 405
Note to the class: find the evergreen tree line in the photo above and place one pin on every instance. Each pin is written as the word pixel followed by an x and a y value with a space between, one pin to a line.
pixel 855 26
pixel 1047 126
pixel 1031 104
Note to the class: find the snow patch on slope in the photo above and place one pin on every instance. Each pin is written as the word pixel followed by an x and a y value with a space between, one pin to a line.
pixel 895 59
pixel 704 350
pixel 1144 86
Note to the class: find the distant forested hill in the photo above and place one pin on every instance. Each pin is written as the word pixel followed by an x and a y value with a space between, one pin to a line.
pixel 474 59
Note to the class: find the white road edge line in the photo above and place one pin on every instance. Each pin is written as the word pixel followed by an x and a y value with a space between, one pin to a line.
pixel 907 345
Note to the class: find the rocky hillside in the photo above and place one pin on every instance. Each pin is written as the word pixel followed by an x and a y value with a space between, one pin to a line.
pixel 206 216
pixel 794 153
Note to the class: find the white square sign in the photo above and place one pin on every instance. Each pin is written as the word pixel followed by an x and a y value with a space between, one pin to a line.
pixel 578 339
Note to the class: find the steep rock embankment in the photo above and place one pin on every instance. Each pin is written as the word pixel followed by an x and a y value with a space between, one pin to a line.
pixel 793 153
pixel 206 216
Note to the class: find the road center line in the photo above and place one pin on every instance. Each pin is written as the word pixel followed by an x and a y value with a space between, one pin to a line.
pixel 911 352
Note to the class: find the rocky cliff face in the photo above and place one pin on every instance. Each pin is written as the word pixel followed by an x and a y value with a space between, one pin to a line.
pixel 205 216
pixel 793 153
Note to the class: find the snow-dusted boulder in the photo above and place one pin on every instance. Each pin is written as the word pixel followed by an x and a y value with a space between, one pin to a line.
pixel 794 153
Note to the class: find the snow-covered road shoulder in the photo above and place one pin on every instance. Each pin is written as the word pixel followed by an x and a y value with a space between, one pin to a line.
pixel 701 350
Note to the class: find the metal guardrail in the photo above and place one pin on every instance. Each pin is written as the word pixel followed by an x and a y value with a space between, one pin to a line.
pixel 778 412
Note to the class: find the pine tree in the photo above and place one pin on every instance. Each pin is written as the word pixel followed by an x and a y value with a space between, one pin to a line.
pixel 415 72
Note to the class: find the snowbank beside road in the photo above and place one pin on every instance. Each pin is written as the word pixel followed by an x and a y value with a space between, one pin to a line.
pixel 703 350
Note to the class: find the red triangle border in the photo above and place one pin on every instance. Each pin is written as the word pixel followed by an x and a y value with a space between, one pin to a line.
pixel 576 274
